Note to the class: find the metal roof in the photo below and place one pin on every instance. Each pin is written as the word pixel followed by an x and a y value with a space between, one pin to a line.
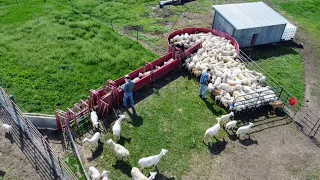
pixel 249 15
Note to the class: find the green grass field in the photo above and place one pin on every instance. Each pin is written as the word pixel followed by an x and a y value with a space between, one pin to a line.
pixel 174 119
pixel 75 166
pixel 51 57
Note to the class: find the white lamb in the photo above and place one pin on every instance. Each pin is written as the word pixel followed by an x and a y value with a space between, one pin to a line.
pixel 7 128
pixel 226 87
pixel 93 140
pixel 137 175
pixel 120 151
pixel 231 125
pixel 116 129
pixel 244 129
pixel 94 119
pixel 225 117
pixel 152 160
pixel 104 175
pixel 213 131
pixel 94 173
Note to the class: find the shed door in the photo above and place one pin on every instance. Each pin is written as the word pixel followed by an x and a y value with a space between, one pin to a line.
pixel 254 39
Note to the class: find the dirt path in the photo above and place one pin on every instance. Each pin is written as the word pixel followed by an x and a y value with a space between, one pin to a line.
pixel 275 153
pixel 13 163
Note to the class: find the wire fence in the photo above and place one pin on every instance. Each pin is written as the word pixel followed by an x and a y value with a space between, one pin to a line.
pixel 31 142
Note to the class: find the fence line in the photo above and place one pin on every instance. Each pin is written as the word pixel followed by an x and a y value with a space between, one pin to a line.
pixel 32 143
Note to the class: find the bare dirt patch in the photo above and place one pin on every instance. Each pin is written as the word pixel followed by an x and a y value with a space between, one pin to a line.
pixel 13 163
pixel 280 152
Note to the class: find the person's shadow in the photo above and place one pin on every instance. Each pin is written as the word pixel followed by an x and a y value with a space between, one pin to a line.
pixel 136 119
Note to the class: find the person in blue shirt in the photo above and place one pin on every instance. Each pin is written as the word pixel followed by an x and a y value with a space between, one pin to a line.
pixel 204 79
pixel 128 91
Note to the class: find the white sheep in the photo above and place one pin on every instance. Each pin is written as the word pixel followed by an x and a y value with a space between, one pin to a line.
pixel 94 173
pixel 244 129
pixel 7 128
pixel 137 175
pixel 116 129
pixel 94 119
pixel 213 131
pixel 152 160
pixel 225 117
pixel 104 175
pixel 119 150
pixel 231 125
pixel 93 140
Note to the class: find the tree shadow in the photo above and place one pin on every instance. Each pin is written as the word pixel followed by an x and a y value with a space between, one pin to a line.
pixel 217 147
pixel 10 137
pixel 124 140
pixel 137 120
pixel 248 141
pixel 97 152
pixel 161 176
pixel 124 167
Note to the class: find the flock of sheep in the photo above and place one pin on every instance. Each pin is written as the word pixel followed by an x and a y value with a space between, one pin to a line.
pixel 214 130
pixel 121 152
pixel 233 85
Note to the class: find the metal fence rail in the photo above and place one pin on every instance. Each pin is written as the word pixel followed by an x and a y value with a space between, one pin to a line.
pixel 283 93
pixel 36 148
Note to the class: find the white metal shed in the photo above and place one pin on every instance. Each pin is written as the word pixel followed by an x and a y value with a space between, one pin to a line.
pixel 252 23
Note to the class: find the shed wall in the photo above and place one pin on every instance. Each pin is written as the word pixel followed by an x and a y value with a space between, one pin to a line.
pixel 221 24
pixel 266 35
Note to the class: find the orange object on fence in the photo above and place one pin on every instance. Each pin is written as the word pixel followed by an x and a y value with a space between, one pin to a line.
pixel 293 101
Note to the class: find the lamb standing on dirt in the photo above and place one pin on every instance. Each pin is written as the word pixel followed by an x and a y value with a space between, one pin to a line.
pixel 231 125
pixel 213 131
pixel 244 129
pixel 94 119
pixel 93 140
pixel 116 129
pixel 152 160
pixel 94 173
pixel 7 128
pixel 137 175
pixel 120 151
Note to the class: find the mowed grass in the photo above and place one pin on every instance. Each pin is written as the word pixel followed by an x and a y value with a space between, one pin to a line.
pixel 75 166
pixel 306 13
pixel 174 119
pixel 51 57
pixel 284 64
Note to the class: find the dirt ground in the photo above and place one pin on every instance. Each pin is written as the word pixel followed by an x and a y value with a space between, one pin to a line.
pixel 277 152
pixel 13 163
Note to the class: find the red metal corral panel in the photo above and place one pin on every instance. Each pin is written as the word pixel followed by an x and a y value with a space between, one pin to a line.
pixel 142 82
pixel 160 61
pixel 201 30
pixel 165 69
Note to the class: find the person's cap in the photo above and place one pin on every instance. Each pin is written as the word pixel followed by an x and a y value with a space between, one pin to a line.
pixel 208 69
pixel 127 76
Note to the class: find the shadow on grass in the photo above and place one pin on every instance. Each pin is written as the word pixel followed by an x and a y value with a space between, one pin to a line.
pixel 124 140
pixel 124 167
pixel 97 152
pixel 137 120
pixel 210 106
pixel 161 176
pixel 268 51
pixel 232 136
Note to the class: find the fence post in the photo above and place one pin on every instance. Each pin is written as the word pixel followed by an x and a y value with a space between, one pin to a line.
pixel 137 36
